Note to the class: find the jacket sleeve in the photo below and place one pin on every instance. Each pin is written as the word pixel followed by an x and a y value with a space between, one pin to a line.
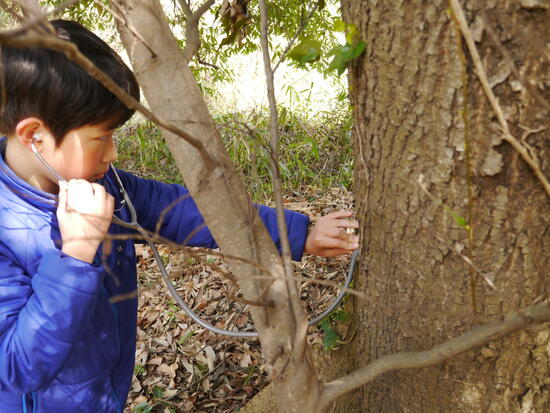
pixel 184 223
pixel 42 316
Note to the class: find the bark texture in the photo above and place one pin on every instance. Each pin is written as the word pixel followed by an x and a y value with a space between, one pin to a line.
pixel 419 111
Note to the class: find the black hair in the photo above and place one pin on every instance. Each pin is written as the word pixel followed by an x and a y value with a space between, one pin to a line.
pixel 46 84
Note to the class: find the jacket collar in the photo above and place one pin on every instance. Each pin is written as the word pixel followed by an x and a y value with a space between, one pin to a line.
pixel 21 188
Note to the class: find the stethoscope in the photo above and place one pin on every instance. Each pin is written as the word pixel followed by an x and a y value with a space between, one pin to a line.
pixel 133 224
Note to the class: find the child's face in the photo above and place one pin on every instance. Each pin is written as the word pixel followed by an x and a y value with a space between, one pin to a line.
pixel 84 153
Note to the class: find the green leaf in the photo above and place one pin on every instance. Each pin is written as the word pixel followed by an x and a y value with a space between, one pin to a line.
pixel 358 49
pixel 461 221
pixel 143 408
pixel 158 393
pixel 138 369
pixel 185 337
pixel 330 337
pixel 308 50
pixel 351 33
pixel 342 316
pixel 322 4
pixel 343 54
pixel 339 26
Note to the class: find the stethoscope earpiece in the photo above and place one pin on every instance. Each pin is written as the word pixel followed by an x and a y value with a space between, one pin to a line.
pixel 37 138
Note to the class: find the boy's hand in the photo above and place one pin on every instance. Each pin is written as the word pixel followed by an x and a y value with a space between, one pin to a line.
pixel 84 213
pixel 328 237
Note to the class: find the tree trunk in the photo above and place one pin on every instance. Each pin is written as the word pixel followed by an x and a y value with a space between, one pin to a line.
pixel 420 113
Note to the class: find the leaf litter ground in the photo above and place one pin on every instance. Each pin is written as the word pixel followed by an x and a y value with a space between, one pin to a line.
pixel 182 367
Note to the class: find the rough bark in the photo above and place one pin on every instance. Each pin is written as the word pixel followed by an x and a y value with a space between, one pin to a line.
pixel 419 111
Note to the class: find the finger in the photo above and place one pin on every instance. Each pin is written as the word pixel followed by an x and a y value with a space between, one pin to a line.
pixel 79 195
pixel 103 200
pixel 99 191
pixel 62 205
pixel 328 243
pixel 345 236
pixel 331 232
pixel 110 202
pixel 339 214
pixel 346 223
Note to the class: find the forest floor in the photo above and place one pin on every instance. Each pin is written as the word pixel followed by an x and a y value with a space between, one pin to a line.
pixel 182 367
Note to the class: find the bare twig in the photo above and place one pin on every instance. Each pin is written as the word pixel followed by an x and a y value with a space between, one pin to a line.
pixel 120 17
pixel 38 15
pixel 192 35
pixel 501 327
pixel 205 63
pixel 468 261
pixel 30 8
pixel 292 289
pixel 506 135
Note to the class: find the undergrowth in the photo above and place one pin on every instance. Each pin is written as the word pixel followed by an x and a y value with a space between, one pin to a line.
pixel 315 153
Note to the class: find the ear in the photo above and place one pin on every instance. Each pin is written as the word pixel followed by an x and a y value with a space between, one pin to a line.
pixel 29 128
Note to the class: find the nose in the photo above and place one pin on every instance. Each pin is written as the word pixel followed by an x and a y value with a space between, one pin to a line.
pixel 110 154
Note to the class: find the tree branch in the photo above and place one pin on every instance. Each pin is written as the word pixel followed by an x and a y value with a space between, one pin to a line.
pixel 37 15
pixel 192 35
pixel 277 193
pixel 501 327
pixel 120 17
pixel 506 135
pixel 30 8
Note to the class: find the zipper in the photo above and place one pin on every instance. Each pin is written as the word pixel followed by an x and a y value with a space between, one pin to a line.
pixel 25 398
pixel 24 402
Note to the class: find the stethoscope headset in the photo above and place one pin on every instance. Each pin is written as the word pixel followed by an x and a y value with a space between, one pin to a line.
pixel 133 224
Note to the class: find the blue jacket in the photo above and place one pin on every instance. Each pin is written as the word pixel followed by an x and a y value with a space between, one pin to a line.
pixel 64 348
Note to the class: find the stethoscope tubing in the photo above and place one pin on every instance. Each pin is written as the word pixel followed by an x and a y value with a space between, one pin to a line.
pixel 133 224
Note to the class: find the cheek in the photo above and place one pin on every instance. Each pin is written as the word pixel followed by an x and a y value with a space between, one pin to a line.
pixel 78 163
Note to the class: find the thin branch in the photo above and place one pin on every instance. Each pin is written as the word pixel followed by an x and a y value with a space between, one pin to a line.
pixel 501 327
pixel 32 39
pixel 30 8
pixel 298 32
pixel 192 35
pixel 120 17
pixel 186 8
pixel 205 63
pixel 38 16
pixel 506 135
pixel 292 289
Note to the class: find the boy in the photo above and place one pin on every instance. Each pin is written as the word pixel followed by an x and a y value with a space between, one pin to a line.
pixel 63 346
